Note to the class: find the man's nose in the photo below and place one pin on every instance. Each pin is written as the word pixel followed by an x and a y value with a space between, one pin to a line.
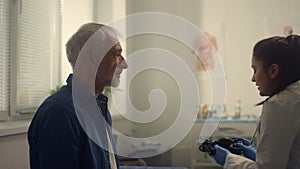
pixel 123 64
pixel 253 78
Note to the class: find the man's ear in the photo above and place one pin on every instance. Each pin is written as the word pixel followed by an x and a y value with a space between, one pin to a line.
pixel 274 71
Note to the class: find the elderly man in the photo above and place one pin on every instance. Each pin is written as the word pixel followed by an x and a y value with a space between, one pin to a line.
pixel 59 136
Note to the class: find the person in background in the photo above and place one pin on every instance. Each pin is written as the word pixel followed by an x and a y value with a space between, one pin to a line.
pixel 56 137
pixel 275 63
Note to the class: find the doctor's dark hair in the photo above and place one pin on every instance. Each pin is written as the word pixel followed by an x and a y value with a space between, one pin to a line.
pixel 283 51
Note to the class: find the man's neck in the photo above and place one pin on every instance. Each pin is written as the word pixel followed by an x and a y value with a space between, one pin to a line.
pixel 98 90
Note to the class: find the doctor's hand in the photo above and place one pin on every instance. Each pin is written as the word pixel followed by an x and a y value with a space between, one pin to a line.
pixel 220 156
pixel 248 151
pixel 245 141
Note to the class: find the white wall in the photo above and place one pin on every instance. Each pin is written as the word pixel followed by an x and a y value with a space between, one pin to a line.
pixel 149 80
pixel 14 152
pixel 75 13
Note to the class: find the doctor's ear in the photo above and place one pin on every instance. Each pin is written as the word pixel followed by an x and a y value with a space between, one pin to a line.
pixel 274 70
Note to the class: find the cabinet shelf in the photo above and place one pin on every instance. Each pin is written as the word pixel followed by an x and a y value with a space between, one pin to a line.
pixel 227 120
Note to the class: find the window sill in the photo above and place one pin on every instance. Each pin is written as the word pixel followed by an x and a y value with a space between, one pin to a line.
pixel 8 128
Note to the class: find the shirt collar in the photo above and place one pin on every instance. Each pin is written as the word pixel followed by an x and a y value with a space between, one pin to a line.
pixel 102 98
pixel 69 79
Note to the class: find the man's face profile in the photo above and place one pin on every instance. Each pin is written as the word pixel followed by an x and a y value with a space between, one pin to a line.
pixel 111 67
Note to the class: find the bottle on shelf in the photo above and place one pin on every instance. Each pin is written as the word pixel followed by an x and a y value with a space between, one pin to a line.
pixel 237 109
pixel 204 110
pixel 199 112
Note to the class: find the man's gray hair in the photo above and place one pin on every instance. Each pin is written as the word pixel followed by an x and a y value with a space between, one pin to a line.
pixel 77 41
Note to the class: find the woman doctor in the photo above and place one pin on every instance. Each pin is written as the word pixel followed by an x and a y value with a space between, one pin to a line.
pixel 276 66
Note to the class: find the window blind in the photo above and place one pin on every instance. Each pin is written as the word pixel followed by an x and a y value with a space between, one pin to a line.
pixel 35 49
pixel 30 35
pixel 4 55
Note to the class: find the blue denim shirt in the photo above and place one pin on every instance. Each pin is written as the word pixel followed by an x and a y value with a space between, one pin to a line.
pixel 57 140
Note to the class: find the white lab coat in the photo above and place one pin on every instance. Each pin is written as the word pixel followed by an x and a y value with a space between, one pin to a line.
pixel 278 140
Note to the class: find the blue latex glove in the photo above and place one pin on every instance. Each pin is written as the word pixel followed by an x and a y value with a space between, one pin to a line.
pixel 248 150
pixel 221 154
pixel 245 141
